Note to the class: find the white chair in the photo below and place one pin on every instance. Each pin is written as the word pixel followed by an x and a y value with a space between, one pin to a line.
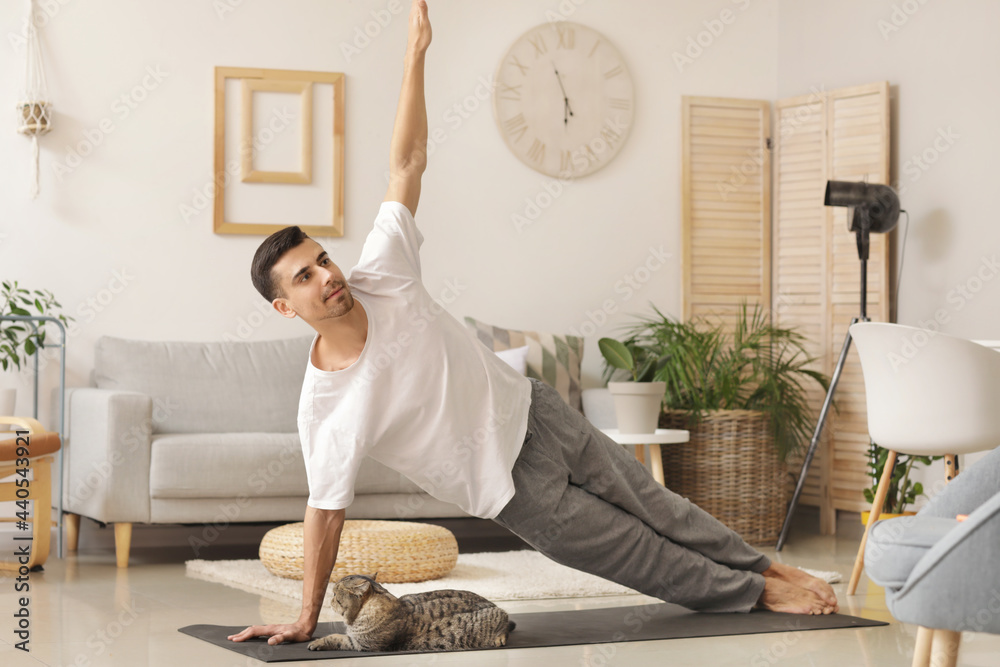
pixel 927 394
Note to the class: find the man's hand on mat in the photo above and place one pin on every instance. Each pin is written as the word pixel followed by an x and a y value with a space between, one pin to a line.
pixel 278 634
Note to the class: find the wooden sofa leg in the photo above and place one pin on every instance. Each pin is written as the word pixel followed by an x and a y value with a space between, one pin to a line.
pixel 123 543
pixel 945 651
pixel 72 522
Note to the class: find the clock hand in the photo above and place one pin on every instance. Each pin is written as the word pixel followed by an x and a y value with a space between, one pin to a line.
pixel 559 78
pixel 567 109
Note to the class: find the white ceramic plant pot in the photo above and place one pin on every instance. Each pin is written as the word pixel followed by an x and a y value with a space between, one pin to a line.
pixel 637 405
pixel 8 398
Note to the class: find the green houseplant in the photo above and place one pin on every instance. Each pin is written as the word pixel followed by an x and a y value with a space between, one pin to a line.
pixel 642 361
pixel 741 390
pixel 903 491
pixel 18 340
pixel 637 403
pixel 758 366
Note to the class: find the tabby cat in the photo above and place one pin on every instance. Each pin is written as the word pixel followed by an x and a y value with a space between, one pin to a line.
pixel 434 621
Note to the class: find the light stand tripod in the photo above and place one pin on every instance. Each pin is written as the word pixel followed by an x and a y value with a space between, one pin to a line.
pixel 875 209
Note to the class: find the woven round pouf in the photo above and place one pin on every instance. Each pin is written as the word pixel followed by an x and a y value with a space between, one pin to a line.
pixel 399 551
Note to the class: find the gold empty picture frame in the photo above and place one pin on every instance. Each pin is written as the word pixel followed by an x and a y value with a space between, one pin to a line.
pixel 251 175
pixel 320 168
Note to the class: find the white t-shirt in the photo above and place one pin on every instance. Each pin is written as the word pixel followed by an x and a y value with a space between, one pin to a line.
pixel 425 397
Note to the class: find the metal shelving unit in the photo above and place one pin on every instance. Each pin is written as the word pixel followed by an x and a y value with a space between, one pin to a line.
pixel 35 321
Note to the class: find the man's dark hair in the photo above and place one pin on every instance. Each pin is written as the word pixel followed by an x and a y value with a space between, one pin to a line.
pixel 267 255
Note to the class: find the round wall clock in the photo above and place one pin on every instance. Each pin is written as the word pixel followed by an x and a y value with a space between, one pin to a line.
pixel 563 99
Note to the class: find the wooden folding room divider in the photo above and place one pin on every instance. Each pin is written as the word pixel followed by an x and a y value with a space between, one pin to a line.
pixel 755 229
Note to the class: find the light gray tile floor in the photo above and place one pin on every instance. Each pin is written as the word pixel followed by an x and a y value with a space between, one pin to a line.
pixel 86 612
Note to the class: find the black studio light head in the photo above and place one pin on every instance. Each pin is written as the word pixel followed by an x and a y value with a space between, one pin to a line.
pixel 875 207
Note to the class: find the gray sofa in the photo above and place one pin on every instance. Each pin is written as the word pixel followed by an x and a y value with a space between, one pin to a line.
pixel 179 432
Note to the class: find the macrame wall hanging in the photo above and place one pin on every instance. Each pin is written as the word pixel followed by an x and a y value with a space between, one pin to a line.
pixel 34 112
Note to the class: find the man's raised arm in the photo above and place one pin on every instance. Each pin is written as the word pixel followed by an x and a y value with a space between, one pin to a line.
pixel 408 149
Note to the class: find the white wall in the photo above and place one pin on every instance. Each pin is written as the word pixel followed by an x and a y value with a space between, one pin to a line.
pixel 118 212
pixel 940 60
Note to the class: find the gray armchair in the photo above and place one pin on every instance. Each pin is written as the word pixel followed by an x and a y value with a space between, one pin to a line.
pixel 941 573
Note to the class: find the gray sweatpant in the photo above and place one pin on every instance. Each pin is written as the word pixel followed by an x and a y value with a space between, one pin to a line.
pixel 585 501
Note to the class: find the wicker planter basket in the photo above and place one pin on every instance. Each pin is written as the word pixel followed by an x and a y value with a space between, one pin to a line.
pixel 730 469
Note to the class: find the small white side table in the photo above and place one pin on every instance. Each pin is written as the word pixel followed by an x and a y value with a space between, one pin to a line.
pixel 662 436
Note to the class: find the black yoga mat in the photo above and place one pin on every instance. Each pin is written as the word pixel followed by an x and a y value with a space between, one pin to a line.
pixel 567 628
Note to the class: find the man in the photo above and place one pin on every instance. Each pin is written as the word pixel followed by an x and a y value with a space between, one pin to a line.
pixel 467 428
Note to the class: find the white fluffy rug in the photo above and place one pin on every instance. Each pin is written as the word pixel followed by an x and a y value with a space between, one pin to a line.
pixel 512 575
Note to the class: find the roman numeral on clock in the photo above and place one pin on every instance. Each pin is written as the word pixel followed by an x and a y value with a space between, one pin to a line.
pixel 517 64
pixel 537 151
pixel 509 92
pixel 565 161
pixel 567 37
pixel 516 125
pixel 539 43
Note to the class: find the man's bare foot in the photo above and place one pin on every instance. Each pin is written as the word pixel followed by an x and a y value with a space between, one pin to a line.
pixel 779 595
pixel 794 575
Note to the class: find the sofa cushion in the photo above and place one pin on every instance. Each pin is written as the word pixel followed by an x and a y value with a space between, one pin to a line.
pixel 224 387
pixel 896 545
pixel 553 359
pixel 228 465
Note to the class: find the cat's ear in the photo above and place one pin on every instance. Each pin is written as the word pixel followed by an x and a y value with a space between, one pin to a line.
pixel 360 586
pixel 375 577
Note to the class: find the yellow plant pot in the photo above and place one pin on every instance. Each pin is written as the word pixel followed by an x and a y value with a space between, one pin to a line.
pixel 884 515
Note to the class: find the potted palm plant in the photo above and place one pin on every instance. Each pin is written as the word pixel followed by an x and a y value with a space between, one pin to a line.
pixel 637 403
pixel 741 391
